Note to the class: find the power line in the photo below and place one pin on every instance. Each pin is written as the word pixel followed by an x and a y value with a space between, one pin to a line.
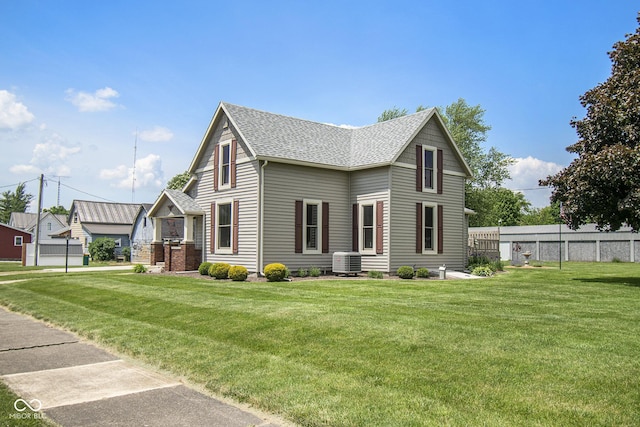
pixel 15 185
pixel 88 194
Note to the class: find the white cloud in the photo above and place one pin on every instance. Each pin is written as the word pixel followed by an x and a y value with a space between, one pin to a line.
pixel 157 134
pixel 100 100
pixel 13 114
pixel 49 157
pixel 148 173
pixel 525 174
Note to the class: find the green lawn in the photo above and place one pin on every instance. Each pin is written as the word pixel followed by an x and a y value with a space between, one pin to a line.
pixel 529 347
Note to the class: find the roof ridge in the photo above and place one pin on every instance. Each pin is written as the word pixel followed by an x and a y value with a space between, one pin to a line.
pixel 291 117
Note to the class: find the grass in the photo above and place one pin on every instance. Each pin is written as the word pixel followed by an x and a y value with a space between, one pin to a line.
pixel 9 416
pixel 528 347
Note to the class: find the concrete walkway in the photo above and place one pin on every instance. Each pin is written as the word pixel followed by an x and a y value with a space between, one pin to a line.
pixel 77 384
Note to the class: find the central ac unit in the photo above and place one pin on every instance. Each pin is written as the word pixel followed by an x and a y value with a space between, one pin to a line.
pixel 347 263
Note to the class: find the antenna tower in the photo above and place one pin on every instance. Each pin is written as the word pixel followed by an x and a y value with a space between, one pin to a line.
pixel 133 175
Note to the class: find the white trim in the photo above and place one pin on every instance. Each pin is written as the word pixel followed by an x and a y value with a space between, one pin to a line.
pixel 372 249
pixel 318 249
pixel 434 169
pixel 221 184
pixel 434 236
pixel 219 249
pixel 15 240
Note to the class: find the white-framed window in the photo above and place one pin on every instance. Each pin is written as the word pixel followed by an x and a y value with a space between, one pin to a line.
pixel 17 240
pixel 429 175
pixel 429 228
pixel 224 227
pixel 225 164
pixel 368 228
pixel 48 226
pixel 118 243
pixel 312 226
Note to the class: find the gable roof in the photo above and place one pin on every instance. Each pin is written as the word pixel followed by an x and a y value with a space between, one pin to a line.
pixel 16 229
pixel 270 136
pixel 104 212
pixel 27 220
pixel 183 202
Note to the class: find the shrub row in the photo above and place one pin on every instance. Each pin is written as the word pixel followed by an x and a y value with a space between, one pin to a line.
pixel 222 270
pixel 407 272
pixel 312 271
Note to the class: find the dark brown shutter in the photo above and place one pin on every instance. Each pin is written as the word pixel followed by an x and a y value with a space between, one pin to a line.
pixel 213 228
pixel 325 227
pixel 440 229
pixel 354 228
pixel 232 172
pixel 418 167
pixel 216 170
pixel 440 170
pixel 236 211
pixel 379 227
pixel 419 242
pixel 298 227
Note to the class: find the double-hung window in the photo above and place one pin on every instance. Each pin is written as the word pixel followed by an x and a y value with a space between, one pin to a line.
pixel 428 168
pixel 429 228
pixel 312 213
pixel 368 228
pixel 225 164
pixel 224 227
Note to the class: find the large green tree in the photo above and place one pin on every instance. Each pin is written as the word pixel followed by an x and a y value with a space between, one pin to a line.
pixel 179 181
pixel 14 201
pixel 602 185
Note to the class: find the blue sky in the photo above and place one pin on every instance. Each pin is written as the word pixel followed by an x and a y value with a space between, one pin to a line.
pixel 79 79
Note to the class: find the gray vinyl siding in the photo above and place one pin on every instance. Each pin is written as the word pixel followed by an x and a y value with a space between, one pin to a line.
pixel 283 185
pixel 372 185
pixel 432 135
pixel 403 221
pixel 246 192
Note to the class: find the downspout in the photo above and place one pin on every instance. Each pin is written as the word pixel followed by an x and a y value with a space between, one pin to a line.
pixel 261 225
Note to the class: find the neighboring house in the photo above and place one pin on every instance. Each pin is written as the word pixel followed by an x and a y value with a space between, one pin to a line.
pixel 269 188
pixel 90 220
pixel 11 241
pixel 559 242
pixel 50 224
pixel 142 235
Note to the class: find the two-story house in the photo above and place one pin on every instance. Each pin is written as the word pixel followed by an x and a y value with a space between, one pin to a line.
pixel 269 188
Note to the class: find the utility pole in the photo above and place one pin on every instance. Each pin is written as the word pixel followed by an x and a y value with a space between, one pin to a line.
pixel 37 246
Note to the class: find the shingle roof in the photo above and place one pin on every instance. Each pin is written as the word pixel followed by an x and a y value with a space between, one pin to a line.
pixel 183 202
pixel 283 137
pixel 105 212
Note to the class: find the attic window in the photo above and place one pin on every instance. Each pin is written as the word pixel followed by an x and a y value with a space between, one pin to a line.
pixel 225 125
pixel 225 164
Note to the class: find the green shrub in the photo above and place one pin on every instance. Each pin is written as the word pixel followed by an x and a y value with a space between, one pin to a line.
pixel 126 253
pixel 405 272
pixel 422 273
pixel 139 268
pixel 314 272
pixel 219 270
pixel 276 272
pixel 102 249
pixel 203 269
pixel 616 260
pixel 302 272
pixel 497 265
pixel 483 271
pixel 372 274
pixel 238 273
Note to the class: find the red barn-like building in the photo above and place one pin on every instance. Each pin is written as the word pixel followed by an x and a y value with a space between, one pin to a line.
pixel 11 241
